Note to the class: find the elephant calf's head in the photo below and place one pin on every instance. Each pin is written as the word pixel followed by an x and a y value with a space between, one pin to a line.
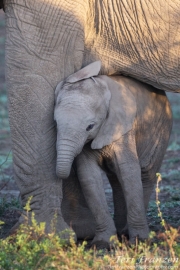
pixel 81 108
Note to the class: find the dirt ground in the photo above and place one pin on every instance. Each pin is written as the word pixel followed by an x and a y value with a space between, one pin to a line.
pixel 10 206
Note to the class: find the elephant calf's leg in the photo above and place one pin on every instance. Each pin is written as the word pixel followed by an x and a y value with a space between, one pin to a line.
pixel 148 181
pixel 120 211
pixel 129 175
pixel 92 186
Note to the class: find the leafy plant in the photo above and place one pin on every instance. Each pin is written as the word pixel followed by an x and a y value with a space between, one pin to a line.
pixel 9 204
pixel 31 248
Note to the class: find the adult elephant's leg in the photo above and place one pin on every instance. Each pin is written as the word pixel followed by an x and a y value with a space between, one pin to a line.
pixel 40 51
pixel 75 210
pixel 33 145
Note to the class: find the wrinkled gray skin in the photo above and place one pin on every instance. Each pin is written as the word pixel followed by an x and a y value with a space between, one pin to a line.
pixel 126 126
pixel 46 41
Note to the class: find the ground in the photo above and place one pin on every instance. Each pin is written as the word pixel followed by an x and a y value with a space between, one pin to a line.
pixel 10 206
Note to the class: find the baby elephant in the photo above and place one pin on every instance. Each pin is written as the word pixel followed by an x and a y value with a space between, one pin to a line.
pixel 121 126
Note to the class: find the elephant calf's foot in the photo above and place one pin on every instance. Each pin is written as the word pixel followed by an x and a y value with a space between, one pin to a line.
pixel 65 232
pixel 123 232
pixel 139 234
pixel 105 240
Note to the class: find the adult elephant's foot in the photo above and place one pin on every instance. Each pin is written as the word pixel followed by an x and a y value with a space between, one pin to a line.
pixel 45 202
pixel 54 223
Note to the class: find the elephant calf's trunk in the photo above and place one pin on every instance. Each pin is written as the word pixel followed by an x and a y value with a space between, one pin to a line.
pixel 62 169
pixel 65 159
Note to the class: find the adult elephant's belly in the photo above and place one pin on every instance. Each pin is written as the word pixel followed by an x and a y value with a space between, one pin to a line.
pixel 140 39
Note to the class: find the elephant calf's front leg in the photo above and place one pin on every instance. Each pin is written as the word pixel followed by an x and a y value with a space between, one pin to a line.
pixel 92 186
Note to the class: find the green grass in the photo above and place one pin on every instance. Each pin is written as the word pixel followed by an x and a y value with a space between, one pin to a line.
pixel 2 40
pixel 173 160
pixel 5 204
pixel 4 122
pixel 174 146
pixel 176 112
pixel 5 152
pixel 173 192
pixel 2 23
pixel 166 208
pixel 171 175
pixel 5 164
pixel 5 159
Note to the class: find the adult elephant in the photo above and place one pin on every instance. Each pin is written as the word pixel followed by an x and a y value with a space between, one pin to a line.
pixel 47 40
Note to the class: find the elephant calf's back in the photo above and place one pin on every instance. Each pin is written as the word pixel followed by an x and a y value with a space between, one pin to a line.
pixel 153 126
pixel 153 121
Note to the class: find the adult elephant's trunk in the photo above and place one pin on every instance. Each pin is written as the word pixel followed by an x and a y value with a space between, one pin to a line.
pixel 66 152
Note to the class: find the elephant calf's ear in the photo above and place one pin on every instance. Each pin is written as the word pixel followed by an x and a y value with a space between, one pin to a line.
pixel 85 73
pixel 122 112
pixel 58 90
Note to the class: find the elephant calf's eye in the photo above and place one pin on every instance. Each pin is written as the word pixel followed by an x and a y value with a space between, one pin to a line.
pixel 90 127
